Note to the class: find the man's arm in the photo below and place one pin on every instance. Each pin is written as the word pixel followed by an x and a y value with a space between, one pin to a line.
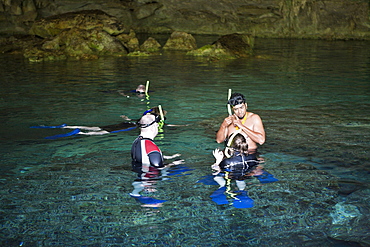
pixel 257 134
pixel 155 159
pixel 222 133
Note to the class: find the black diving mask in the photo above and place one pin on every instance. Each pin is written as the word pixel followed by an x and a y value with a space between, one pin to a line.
pixel 156 120
pixel 236 100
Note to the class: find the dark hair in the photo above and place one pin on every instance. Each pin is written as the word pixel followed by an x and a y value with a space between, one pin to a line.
pixel 236 99
pixel 239 143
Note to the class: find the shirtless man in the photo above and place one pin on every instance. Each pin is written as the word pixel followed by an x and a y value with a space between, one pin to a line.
pixel 248 123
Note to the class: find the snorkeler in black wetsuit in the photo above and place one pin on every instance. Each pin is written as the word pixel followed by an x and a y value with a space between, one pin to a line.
pixel 240 166
pixel 147 160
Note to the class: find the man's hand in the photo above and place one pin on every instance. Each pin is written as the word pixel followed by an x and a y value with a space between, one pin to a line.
pixel 227 121
pixel 177 162
pixel 237 122
pixel 216 169
pixel 167 157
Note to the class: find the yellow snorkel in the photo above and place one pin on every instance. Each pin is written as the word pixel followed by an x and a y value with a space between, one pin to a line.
pixel 147 89
pixel 161 122
pixel 228 190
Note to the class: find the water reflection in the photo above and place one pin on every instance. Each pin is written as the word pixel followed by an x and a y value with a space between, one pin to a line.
pixel 144 190
pixel 236 195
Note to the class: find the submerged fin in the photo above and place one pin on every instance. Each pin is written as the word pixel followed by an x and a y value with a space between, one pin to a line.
pixel 123 130
pixel 219 197
pixel 243 201
pixel 74 132
pixel 266 177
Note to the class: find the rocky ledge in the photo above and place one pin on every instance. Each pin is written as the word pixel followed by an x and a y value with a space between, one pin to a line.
pixel 93 33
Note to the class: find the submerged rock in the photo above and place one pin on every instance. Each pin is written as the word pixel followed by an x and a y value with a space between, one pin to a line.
pixel 343 213
pixel 350 221
pixel 213 52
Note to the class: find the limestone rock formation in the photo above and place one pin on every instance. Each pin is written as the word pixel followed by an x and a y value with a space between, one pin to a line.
pixel 323 19
pixel 82 35
pixel 86 20
pixel 180 41
pixel 241 45
pixel 77 43
pixel 130 41
pixel 227 47
pixel 150 45
pixel 89 29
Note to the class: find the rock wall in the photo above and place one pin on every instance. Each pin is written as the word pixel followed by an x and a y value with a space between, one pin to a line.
pixel 326 19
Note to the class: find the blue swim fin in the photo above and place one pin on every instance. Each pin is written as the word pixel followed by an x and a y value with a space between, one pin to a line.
pixel 179 169
pixel 243 201
pixel 219 197
pixel 131 128
pixel 266 177
pixel 208 180
pixel 74 132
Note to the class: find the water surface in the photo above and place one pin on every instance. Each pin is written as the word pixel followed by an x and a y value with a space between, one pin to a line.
pixel 313 97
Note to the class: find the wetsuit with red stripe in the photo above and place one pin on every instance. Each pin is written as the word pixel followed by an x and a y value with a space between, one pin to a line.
pixel 146 158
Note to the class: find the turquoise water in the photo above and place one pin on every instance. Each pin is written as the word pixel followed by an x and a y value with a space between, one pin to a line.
pixel 313 97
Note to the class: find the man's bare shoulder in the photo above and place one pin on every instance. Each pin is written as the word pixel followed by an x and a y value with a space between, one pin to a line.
pixel 254 116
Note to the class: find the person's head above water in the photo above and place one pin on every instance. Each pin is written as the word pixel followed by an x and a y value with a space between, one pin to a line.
pixel 236 99
pixel 149 126
pixel 140 89
pixel 239 144
pixel 148 120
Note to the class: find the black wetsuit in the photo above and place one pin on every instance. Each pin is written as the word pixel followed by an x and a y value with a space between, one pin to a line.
pixel 239 165
pixel 120 126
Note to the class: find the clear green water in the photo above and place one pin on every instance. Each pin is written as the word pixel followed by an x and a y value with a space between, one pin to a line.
pixel 313 97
